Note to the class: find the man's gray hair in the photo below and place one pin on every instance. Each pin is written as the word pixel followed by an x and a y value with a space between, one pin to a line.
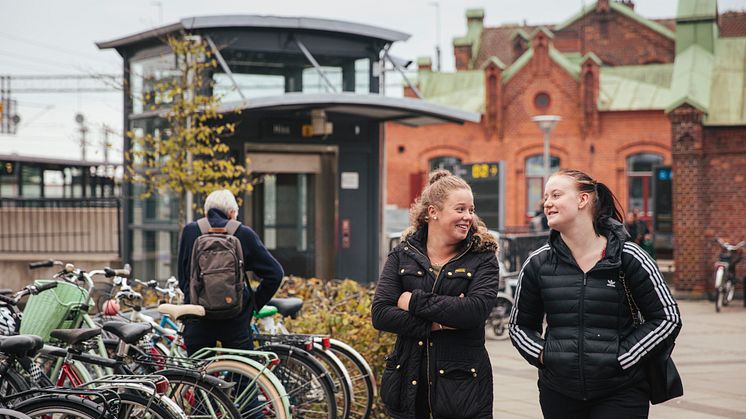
pixel 222 200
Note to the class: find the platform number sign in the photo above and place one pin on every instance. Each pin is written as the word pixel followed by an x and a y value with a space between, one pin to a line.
pixel 487 182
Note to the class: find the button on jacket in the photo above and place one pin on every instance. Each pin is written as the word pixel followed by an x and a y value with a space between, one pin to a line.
pixel 591 347
pixel 453 363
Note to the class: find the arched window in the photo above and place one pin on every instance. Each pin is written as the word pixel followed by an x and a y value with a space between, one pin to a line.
pixel 417 180
pixel 640 182
pixel 535 180
pixel 443 162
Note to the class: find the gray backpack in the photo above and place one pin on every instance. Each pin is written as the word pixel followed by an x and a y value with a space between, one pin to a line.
pixel 217 277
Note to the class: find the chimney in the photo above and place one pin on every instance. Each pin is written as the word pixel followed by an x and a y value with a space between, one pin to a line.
pixel 465 47
pixel 424 63
pixel 475 16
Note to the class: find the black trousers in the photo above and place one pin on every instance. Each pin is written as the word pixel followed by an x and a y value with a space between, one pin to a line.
pixel 233 333
pixel 628 403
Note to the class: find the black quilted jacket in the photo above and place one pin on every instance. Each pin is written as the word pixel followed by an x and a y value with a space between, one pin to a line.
pixel 590 345
pixel 454 363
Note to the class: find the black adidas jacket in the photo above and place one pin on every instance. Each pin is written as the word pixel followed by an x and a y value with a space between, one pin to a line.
pixel 454 363
pixel 590 345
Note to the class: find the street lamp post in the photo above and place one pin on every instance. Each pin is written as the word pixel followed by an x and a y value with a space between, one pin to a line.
pixel 546 123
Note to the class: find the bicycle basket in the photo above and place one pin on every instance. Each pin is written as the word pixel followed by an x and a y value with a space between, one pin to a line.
pixel 58 308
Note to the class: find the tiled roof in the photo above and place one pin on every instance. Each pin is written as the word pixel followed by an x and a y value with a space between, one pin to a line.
pixel 668 23
pixel 623 10
pixel 498 42
pixel 733 24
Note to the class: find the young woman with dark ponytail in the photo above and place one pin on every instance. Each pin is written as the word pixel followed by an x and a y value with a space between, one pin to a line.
pixel 435 292
pixel 590 354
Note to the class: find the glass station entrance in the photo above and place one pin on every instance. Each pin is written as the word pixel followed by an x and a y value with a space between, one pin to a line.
pixel 292 210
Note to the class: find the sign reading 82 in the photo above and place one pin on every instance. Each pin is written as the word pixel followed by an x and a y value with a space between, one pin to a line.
pixel 484 170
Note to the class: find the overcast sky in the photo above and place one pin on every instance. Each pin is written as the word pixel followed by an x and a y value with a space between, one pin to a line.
pixel 53 37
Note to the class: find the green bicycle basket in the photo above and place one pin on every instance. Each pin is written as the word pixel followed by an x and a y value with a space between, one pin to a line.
pixel 57 308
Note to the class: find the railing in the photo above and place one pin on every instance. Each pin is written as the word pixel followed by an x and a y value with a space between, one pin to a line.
pixel 516 247
pixel 60 225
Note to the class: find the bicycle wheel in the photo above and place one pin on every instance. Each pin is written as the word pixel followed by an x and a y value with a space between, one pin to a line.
pixel 243 393
pixel 14 414
pixel 497 321
pixel 58 406
pixel 12 382
pixel 341 378
pixel 199 398
pixel 308 384
pixel 135 405
pixel 719 273
pixel 729 291
pixel 363 383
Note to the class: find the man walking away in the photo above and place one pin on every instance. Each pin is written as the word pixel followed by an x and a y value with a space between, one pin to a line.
pixel 228 321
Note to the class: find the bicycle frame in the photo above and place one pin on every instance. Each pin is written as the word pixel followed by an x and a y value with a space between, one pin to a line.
pixel 170 330
pixel 73 372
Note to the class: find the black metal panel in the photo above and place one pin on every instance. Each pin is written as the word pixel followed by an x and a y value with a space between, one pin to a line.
pixel 230 41
pixel 356 214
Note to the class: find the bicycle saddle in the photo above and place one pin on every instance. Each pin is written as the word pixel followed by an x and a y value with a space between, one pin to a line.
pixel 181 311
pixel 128 332
pixel 287 306
pixel 75 336
pixel 21 345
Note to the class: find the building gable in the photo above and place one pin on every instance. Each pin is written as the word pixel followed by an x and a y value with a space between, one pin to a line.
pixel 617 34
pixel 540 71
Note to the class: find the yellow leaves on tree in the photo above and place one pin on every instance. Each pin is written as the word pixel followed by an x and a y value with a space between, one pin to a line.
pixel 188 152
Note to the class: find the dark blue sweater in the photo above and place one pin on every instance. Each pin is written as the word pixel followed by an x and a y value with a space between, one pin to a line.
pixel 256 258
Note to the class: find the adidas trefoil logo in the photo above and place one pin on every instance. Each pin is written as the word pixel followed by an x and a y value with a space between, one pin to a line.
pixel 611 283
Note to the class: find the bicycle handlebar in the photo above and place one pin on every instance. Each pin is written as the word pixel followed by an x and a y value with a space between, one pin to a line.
pixel 730 247
pixel 28 289
pixel 111 273
pixel 47 286
pixel 44 264
pixel 153 284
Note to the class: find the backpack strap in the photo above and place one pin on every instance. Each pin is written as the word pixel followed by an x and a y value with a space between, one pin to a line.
pixel 204 225
pixel 232 226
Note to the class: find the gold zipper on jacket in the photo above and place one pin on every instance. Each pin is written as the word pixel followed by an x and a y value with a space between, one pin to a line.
pixel 427 341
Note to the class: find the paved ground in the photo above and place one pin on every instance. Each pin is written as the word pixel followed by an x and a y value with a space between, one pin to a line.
pixel 710 355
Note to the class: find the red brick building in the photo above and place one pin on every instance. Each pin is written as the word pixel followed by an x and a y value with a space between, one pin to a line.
pixel 633 93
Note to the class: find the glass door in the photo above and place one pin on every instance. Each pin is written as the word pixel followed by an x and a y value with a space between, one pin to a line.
pixel 283 216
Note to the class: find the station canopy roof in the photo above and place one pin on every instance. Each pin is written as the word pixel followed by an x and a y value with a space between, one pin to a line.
pixel 406 111
pixel 257 21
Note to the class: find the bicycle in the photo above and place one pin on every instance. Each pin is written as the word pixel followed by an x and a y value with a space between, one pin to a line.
pixel 139 394
pixel 195 393
pixel 725 272
pixel 67 308
pixel 305 384
pixel 17 393
pixel 10 314
pixel 361 380
pixel 317 346
pixel 497 321
pixel 245 369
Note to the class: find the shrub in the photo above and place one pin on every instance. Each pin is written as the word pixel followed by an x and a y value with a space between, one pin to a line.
pixel 341 309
